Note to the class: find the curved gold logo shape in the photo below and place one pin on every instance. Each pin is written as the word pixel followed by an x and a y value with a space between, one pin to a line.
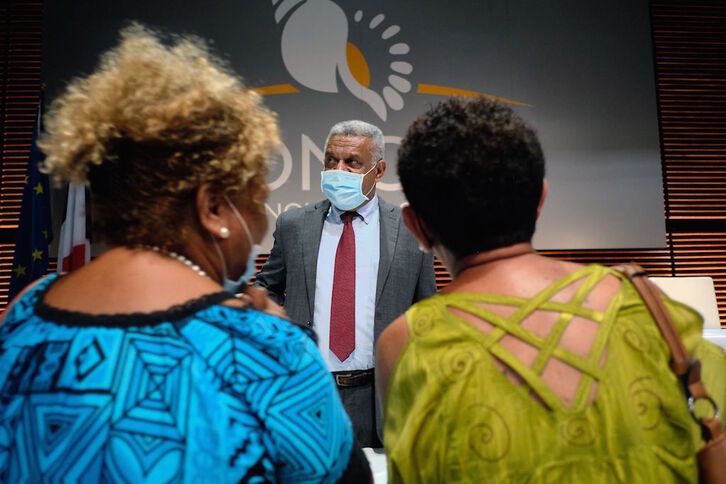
pixel 319 56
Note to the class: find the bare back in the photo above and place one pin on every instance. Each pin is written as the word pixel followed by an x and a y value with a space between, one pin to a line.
pixel 525 278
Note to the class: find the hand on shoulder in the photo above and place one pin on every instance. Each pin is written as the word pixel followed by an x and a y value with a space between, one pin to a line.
pixel 257 298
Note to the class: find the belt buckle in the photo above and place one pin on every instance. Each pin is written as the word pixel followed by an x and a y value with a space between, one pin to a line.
pixel 342 379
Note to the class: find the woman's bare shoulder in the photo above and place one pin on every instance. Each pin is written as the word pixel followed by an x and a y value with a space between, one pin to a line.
pixel 389 347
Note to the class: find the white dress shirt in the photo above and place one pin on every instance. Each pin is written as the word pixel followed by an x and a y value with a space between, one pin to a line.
pixel 367 253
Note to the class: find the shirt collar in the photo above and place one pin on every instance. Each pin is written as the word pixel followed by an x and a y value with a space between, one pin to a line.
pixel 365 212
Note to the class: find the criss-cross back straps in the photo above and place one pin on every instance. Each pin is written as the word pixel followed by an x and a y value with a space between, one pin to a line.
pixel 547 347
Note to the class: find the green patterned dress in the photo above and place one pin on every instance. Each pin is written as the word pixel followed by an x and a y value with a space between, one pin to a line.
pixel 452 416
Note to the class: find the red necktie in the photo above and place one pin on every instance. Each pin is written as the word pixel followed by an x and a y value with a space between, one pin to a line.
pixel 342 308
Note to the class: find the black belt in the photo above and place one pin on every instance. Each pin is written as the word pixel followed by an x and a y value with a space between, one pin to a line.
pixel 355 378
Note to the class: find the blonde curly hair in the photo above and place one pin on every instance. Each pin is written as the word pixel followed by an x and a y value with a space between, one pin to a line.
pixel 149 126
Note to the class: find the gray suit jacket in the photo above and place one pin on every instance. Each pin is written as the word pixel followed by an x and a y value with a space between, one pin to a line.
pixel 405 274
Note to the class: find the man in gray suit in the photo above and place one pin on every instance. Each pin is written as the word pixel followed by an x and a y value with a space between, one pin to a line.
pixel 347 267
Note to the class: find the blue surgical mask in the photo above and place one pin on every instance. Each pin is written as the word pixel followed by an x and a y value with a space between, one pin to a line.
pixel 235 286
pixel 344 189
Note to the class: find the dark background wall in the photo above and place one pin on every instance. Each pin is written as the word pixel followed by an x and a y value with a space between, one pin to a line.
pixel 583 70
pixel 689 39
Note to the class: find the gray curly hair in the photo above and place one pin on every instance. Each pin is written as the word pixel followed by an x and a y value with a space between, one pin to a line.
pixel 356 127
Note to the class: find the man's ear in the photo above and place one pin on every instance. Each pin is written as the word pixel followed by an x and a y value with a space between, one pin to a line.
pixel 211 209
pixel 416 226
pixel 380 170
pixel 545 189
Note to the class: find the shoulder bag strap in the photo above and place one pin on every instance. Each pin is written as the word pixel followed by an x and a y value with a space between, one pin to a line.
pixel 688 370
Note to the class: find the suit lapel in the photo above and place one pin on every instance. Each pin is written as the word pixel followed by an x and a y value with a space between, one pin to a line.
pixel 311 233
pixel 389 223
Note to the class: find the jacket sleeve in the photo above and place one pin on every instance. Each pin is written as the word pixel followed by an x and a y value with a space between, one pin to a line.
pixel 426 286
pixel 273 275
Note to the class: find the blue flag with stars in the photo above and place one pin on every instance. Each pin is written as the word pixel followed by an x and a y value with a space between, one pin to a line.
pixel 30 260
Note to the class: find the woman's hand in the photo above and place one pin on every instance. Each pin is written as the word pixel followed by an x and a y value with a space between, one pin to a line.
pixel 258 299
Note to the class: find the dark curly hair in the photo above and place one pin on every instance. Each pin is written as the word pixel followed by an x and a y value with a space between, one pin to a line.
pixel 473 171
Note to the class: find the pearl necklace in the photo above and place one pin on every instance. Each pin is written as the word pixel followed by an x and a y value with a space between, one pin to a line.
pixel 176 256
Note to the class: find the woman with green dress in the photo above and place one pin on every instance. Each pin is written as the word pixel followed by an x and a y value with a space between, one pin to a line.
pixel 524 368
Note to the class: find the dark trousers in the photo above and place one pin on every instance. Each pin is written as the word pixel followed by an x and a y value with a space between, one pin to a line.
pixel 359 402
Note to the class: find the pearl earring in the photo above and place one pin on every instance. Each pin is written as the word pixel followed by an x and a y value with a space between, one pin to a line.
pixel 224 232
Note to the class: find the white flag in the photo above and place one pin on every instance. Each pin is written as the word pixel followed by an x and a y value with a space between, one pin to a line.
pixel 74 250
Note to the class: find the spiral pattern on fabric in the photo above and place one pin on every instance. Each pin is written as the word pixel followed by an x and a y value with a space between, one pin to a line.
pixel 456 362
pixel 424 322
pixel 648 405
pixel 489 437
pixel 578 431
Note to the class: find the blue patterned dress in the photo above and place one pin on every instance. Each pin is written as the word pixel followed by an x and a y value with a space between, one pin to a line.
pixel 199 393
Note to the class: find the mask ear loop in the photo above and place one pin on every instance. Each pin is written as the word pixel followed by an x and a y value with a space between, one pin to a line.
pixel 242 221
pixel 372 186
pixel 221 257
pixel 219 249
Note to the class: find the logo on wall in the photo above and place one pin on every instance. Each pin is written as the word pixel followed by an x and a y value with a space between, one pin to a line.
pixel 318 54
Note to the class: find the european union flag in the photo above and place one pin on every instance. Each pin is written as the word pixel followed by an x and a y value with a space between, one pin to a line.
pixel 30 260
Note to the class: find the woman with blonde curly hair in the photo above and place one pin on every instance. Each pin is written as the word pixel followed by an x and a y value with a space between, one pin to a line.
pixel 143 365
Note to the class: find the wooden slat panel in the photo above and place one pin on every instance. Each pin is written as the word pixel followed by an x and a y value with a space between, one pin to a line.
pixel 6 264
pixel 21 89
pixel 690 60
pixel 20 58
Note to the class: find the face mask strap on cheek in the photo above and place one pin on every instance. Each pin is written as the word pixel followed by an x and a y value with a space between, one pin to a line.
pixel 372 168
pixel 373 185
